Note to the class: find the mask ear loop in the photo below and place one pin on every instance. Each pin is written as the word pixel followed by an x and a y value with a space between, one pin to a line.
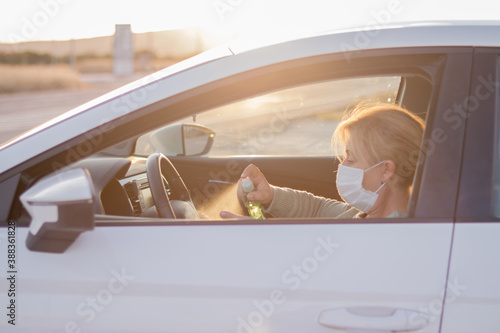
pixel 373 166
pixel 383 184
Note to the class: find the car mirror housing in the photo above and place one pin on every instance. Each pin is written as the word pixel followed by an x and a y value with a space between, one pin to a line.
pixel 61 208
pixel 183 140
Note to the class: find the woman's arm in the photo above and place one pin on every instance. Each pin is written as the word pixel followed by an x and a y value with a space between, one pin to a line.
pixel 293 203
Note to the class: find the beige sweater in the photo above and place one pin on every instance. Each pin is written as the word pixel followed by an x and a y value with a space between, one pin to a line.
pixel 293 203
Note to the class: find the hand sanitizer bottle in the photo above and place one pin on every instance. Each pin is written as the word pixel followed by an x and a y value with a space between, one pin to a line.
pixel 254 207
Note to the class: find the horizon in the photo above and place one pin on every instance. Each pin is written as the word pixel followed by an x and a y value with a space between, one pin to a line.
pixel 157 44
pixel 92 37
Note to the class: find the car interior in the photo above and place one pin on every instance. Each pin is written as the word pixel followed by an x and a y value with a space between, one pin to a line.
pixel 203 169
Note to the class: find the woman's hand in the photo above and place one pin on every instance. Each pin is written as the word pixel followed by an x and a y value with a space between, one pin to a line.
pixel 262 192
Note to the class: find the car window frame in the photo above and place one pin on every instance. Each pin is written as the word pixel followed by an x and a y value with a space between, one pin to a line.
pixel 475 202
pixel 423 61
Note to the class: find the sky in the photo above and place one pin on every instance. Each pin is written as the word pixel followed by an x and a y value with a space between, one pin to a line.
pixel 28 20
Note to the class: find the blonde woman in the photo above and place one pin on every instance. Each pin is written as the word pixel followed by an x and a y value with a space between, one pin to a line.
pixel 375 175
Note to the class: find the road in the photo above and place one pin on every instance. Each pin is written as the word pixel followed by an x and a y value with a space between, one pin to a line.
pixel 22 111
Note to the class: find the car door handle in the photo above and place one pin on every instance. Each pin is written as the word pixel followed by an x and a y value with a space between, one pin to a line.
pixel 377 319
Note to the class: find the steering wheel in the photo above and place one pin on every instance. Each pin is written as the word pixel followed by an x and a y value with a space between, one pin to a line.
pixel 163 177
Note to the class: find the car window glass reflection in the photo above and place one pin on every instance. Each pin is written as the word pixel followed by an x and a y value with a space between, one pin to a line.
pixel 298 121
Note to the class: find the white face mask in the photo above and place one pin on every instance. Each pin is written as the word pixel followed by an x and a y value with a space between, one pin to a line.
pixel 349 185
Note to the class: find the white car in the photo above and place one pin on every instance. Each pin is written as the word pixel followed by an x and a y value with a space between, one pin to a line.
pixel 89 242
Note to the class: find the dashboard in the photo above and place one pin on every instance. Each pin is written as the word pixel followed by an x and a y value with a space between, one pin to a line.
pixel 121 185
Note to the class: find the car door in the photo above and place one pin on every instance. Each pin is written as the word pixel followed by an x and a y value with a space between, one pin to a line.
pixel 277 275
pixel 473 303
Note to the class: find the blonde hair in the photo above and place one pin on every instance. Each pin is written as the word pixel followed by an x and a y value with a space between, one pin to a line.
pixel 383 132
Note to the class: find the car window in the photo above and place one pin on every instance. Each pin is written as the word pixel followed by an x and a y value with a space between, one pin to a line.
pixel 297 121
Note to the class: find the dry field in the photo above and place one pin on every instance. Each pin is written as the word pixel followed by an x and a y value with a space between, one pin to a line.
pixel 37 78
pixel 33 78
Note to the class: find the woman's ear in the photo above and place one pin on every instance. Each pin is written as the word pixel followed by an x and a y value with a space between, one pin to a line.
pixel 389 170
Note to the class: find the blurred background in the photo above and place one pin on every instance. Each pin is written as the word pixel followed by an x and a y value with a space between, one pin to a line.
pixel 58 54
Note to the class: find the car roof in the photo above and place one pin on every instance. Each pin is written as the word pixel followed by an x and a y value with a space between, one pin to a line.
pixel 434 33
pixel 241 56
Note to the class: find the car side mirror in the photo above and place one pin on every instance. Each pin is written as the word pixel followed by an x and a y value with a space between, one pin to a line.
pixel 183 140
pixel 61 208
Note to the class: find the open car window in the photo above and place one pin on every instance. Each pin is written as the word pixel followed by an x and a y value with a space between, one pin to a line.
pixel 297 121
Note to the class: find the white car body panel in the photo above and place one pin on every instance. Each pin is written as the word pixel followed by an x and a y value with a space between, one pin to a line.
pixel 172 281
pixel 475 306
